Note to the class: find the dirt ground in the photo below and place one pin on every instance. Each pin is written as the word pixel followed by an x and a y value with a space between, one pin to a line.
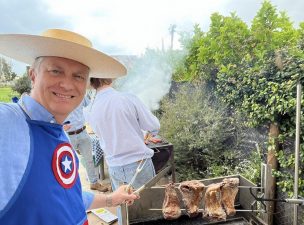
pixel 84 181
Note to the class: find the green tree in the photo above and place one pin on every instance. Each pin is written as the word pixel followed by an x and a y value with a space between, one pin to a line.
pixel 217 51
pixel 22 85
pixel 301 38
pixel 254 70
pixel 264 86
pixel 189 68
pixel 6 73
pixel 271 31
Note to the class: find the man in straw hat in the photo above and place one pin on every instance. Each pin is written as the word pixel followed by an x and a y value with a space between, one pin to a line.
pixel 39 181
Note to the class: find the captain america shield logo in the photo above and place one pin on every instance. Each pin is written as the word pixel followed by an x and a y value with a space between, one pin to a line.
pixel 64 165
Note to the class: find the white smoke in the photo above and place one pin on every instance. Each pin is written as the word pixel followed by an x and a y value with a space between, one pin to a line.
pixel 149 78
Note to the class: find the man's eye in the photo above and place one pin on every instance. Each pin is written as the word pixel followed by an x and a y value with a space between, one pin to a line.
pixel 79 77
pixel 55 72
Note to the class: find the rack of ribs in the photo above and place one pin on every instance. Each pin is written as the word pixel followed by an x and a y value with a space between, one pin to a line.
pixel 213 203
pixel 192 193
pixel 171 208
pixel 229 191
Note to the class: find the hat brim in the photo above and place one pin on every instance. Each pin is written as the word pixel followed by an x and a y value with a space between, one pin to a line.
pixel 26 48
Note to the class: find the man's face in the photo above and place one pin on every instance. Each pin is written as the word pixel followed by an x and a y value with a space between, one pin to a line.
pixel 59 85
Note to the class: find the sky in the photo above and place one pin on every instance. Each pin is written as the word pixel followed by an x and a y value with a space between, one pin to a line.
pixel 119 27
pixel 129 27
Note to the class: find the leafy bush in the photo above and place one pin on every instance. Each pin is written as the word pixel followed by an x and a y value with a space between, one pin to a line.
pixel 22 85
pixel 251 167
pixel 200 130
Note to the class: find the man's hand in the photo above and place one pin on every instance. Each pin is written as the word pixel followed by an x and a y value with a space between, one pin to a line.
pixel 150 137
pixel 121 195
pixel 67 126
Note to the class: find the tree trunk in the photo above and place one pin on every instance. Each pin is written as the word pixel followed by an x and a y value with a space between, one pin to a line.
pixel 272 161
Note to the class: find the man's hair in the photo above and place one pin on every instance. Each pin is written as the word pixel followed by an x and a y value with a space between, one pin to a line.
pixel 98 82
pixel 37 62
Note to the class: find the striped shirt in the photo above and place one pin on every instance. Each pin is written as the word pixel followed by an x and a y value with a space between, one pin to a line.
pixel 76 117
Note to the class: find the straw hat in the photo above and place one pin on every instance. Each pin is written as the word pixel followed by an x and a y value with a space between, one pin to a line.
pixel 61 43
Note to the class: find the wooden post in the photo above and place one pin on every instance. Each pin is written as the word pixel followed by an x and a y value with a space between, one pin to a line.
pixel 273 163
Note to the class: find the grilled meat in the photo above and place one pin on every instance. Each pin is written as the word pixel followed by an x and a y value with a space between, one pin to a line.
pixel 213 203
pixel 192 192
pixel 229 192
pixel 171 207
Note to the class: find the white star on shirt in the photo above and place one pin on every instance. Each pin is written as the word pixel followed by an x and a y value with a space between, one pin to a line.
pixel 67 164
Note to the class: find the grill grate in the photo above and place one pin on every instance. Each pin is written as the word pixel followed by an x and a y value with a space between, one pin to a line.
pixel 185 220
pixel 152 198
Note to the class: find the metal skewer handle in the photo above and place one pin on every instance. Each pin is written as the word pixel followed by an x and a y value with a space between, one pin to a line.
pixel 237 210
pixel 176 186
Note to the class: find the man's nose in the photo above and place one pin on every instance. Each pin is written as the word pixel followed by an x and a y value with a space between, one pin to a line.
pixel 66 82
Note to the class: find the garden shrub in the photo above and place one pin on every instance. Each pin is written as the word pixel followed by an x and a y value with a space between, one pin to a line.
pixel 198 127
pixel 209 140
pixel 22 85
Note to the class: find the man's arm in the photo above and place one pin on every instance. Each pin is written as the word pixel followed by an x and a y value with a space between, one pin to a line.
pixel 109 200
pixel 147 121
pixel 15 150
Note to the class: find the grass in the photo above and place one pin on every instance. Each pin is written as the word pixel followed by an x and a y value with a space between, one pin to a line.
pixel 6 94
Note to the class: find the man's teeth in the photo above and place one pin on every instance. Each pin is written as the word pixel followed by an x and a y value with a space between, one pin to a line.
pixel 63 96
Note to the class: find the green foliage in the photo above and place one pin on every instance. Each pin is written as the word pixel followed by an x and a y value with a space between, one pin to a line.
pixel 254 70
pixel 6 73
pixel 189 69
pixel 226 40
pixel 301 38
pixel 199 129
pixel 22 85
pixel 267 94
pixel 251 167
pixel 6 94
pixel 233 163
pixel 287 160
pixel 271 31
pixel 225 43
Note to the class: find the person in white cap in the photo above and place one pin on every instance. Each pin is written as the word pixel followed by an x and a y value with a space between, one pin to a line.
pixel 39 181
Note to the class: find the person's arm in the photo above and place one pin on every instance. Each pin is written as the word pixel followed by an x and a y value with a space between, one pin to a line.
pixel 114 199
pixel 67 125
pixel 147 121
pixel 86 101
pixel 14 154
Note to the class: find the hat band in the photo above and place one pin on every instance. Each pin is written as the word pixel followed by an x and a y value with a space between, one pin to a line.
pixel 67 36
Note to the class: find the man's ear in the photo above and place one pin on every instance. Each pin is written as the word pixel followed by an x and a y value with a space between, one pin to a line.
pixel 32 76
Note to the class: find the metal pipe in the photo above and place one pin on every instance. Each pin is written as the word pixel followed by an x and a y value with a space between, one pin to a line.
pixel 297 150
pixel 251 187
pixel 237 210
pixel 153 180
pixel 124 214
pixel 294 201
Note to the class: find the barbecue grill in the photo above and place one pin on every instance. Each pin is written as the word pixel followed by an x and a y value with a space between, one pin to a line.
pixel 147 210
pixel 163 156
pixel 250 202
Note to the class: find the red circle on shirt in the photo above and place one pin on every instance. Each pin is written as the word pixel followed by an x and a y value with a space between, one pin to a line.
pixel 62 153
